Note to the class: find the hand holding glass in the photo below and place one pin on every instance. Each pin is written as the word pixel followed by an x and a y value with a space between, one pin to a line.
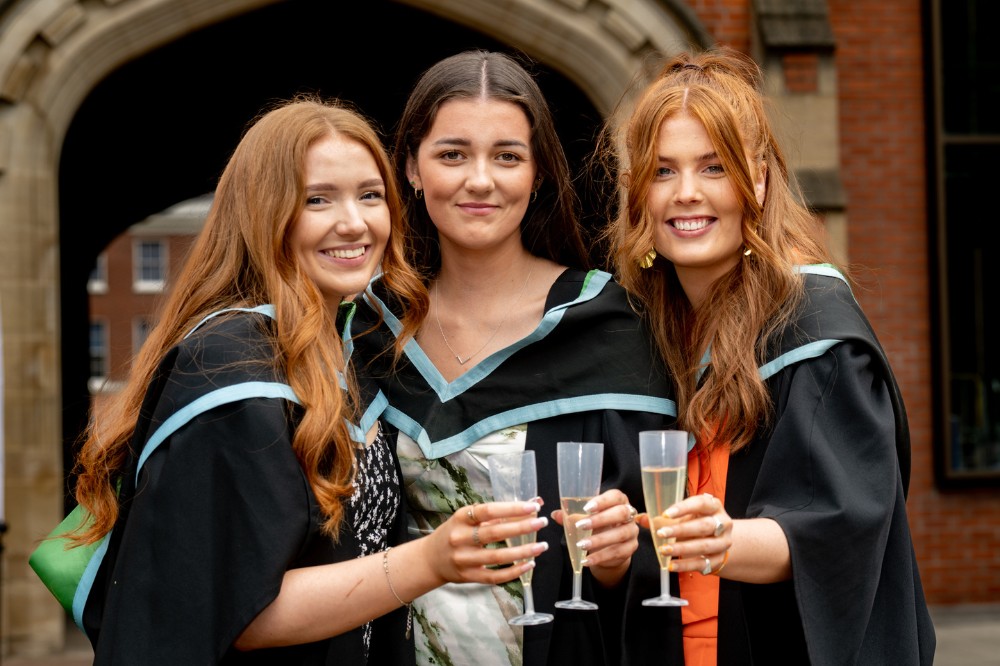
pixel 579 482
pixel 663 458
pixel 512 476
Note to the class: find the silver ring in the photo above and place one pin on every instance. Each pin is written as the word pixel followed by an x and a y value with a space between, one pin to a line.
pixel 708 566
pixel 475 536
pixel 632 513
pixel 719 527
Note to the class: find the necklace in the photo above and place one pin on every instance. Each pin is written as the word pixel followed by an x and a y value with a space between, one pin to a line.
pixel 437 318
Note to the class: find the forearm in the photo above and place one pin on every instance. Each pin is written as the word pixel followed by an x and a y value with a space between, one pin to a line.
pixel 323 601
pixel 759 552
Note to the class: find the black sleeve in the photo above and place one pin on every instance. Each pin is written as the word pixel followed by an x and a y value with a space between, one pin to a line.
pixel 831 480
pixel 221 510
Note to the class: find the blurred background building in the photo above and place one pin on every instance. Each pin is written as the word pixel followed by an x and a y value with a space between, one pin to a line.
pixel 117 116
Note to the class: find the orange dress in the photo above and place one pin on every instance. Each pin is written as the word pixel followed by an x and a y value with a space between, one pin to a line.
pixel 706 474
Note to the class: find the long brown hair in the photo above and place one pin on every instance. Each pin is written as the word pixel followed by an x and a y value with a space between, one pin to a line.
pixel 551 227
pixel 242 258
pixel 748 306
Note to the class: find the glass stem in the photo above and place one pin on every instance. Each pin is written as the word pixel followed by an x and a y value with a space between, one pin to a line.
pixel 665 582
pixel 577 585
pixel 529 600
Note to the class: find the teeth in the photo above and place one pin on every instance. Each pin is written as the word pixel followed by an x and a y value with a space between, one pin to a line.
pixel 345 254
pixel 691 225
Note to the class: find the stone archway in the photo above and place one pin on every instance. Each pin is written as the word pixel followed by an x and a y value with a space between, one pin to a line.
pixel 52 54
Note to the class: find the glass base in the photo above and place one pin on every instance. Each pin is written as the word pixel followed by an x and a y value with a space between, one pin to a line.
pixel 576 604
pixel 665 601
pixel 530 618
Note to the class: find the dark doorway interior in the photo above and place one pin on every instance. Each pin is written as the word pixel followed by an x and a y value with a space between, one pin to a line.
pixel 159 129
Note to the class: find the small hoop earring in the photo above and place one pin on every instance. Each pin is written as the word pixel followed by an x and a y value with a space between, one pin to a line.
pixel 534 196
pixel 418 193
pixel 747 252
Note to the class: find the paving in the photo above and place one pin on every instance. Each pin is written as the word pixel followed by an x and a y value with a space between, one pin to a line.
pixel 966 636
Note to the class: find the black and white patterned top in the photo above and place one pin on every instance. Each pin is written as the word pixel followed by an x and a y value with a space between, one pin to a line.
pixel 375 502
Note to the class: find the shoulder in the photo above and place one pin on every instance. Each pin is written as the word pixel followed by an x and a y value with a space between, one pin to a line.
pixel 234 346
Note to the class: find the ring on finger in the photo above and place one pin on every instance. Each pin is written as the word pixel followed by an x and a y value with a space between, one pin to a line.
pixel 632 513
pixel 475 536
pixel 470 511
pixel 719 527
pixel 707 569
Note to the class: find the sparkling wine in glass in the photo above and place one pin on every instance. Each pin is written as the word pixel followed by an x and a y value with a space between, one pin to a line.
pixel 513 478
pixel 579 481
pixel 663 458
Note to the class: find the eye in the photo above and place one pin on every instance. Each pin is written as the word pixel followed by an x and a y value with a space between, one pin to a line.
pixel 663 172
pixel 715 170
pixel 451 155
pixel 509 157
pixel 316 200
pixel 373 195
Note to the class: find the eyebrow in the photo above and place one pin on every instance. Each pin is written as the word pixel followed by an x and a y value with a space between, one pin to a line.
pixel 707 157
pixel 454 141
pixel 325 187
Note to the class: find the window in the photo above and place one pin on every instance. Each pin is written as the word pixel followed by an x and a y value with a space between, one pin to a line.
pixel 97 283
pixel 967 150
pixel 98 350
pixel 149 261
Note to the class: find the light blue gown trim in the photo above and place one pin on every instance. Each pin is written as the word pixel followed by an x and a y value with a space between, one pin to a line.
pixel 525 414
pixel 593 285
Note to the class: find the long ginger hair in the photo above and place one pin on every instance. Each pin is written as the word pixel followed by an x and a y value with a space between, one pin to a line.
pixel 748 306
pixel 242 259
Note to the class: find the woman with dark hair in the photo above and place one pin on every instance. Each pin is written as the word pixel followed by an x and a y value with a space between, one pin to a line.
pixel 249 519
pixel 792 545
pixel 513 345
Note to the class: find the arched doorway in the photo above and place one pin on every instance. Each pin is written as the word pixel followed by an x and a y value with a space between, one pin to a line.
pixel 112 111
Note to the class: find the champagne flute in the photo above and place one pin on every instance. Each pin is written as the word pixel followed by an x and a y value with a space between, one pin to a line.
pixel 579 481
pixel 512 476
pixel 663 458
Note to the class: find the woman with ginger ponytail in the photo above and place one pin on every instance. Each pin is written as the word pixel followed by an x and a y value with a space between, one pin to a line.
pixel 248 511
pixel 792 544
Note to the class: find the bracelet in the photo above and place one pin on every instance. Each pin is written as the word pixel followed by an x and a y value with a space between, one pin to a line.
pixel 721 566
pixel 409 606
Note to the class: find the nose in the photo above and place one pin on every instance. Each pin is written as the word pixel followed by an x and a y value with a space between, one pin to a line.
pixel 688 188
pixel 350 221
pixel 479 178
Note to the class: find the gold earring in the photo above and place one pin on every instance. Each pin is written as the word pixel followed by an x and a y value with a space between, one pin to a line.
pixel 747 252
pixel 418 193
pixel 647 259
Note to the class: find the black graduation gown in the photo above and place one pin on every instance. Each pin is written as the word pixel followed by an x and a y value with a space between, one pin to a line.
pixel 225 499
pixel 588 373
pixel 832 470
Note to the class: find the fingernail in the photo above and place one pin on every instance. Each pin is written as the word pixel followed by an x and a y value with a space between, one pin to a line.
pixel 672 566
pixel 666 550
pixel 583 543
pixel 671 512
pixel 584 524
pixel 532 507
pixel 540 547
pixel 540 522
pixel 590 506
pixel 585 562
pixel 528 566
pixel 664 532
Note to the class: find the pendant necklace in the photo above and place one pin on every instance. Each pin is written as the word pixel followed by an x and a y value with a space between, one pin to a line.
pixel 437 318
